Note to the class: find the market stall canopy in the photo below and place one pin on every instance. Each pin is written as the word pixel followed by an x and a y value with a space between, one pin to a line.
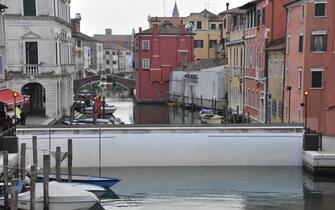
pixel 7 97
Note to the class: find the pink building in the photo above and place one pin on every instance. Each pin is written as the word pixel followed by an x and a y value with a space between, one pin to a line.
pixel 264 21
pixel 310 64
pixel 159 50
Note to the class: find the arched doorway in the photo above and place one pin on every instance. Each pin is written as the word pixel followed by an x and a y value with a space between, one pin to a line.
pixel 36 93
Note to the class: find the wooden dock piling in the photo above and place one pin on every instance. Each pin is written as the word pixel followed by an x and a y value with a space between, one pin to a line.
pixel 35 151
pixel 46 173
pixel 5 179
pixel 23 163
pixel 58 164
pixel 69 159
pixel 14 194
pixel 33 170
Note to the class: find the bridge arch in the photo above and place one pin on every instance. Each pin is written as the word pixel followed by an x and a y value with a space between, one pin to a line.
pixel 124 82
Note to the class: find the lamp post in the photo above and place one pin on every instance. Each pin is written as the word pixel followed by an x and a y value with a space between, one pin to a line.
pixel 15 94
pixel 306 94
pixel 289 88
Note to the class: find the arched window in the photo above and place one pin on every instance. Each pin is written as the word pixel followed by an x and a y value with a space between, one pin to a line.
pixel 107 61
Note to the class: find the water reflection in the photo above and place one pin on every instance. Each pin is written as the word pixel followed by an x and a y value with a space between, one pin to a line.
pixel 208 188
pixel 132 113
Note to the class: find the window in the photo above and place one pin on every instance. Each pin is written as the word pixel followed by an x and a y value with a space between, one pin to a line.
pixel 146 64
pixel 114 62
pixel 320 9
pixel 198 43
pixel 212 43
pixel 31 53
pixel 263 15
pixel 302 11
pixel 114 53
pixel 29 8
pixel 78 43
pixel 225 23
pixel 192 23
pixel 145 45
pixel 258 18
pixel 107 52
pixel 199 25
pixel 107 62
pixel 213 26
pixel 274 107
pixel 288 44
pixel 220 26
pixel 317 78
pixel 319 42
pixel 301 43
pixel 299 77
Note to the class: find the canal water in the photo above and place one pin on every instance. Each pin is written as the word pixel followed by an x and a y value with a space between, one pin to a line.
pixel 146 114
pixel 218 188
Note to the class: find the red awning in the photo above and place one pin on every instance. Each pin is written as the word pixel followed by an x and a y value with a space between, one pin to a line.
pixel 6 97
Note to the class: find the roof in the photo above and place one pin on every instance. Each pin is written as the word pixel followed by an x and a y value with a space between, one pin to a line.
pixel 233 11
pixel 122 40
pixel 6 97
pixel 203 64
pixel 277 45
pixel 168 28
pixel 290 2
pixel 248 5
pixel 111 45
pixel 84 36
pixel 174 20
pixel 207 14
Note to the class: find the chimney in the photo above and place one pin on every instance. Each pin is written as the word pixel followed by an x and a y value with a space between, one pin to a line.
pixel 78 16
pixel 227 5
pixel 140 29
pixel 108 31
pixel 76 23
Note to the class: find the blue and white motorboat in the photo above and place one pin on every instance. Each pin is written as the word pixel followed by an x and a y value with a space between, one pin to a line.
pixel 104 182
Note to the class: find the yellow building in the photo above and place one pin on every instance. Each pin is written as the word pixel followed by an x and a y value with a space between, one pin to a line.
pixel 207 28
pixel 276 67
pixel 234 27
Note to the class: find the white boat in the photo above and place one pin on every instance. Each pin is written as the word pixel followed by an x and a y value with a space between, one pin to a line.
pixel 209 117
pixel 108 110
pixel 61 197
pixel 95 189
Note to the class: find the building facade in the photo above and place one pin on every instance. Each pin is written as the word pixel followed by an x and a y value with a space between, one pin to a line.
pixel 38 54
pixel 154 65
pixel 2 48
pixel 235 50
pixel 276 69
pixel 310 62
pixel 265 25
pixel 207 28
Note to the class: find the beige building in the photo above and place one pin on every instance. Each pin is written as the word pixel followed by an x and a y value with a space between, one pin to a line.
pixel 276 66
pixel 207 28
pixel 234 26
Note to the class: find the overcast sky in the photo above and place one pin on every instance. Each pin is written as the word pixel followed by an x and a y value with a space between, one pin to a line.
pixel 123 15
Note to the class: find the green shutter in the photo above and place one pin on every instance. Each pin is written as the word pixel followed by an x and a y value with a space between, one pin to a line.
pixel 29 7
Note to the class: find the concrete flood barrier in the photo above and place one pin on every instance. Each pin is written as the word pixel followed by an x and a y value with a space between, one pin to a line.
pixel 125 146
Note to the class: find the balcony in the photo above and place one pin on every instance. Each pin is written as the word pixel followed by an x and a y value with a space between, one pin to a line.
pixel 31 69
pixel 237 71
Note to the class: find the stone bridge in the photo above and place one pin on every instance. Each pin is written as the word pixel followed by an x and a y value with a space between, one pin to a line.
pixel 124 82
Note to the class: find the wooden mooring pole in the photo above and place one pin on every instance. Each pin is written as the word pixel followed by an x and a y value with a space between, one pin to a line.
pixel 23 163
pixel 5 180
pixel 14 194
pixel 58 164
pixel 46 173
pixel 69 159
pixel 33 170
pixel 35 151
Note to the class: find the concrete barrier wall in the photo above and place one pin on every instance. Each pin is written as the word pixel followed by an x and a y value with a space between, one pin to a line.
pixel 168 146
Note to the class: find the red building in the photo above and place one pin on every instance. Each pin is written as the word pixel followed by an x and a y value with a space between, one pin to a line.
pixel 310 64
pixel 265 23
pixel 159 50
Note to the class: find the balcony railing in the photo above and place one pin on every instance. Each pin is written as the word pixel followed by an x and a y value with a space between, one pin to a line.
pixel 31 69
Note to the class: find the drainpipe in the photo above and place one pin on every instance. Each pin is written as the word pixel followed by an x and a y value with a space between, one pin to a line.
pixel 266 88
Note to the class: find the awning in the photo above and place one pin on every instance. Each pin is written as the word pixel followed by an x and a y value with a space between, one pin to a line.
pixel 6 97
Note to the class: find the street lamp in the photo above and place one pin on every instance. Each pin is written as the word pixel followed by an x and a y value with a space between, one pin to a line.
pixel 15 94
pixel 306 94
pixel 289 88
